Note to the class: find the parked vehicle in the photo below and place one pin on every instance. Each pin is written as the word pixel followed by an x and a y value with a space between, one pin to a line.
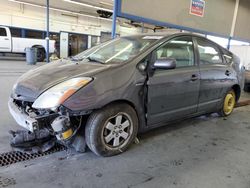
pixel 247 81
pixel 9 44
pixel 243 52
pixel 109 93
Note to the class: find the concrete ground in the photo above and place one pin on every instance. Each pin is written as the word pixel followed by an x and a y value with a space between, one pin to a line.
pixel 203 152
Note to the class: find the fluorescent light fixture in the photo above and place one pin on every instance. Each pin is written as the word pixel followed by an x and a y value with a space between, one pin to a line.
pixel 26 3
pixel 59 10
pixel 88 5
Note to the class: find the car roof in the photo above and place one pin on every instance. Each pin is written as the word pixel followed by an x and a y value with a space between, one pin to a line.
pixel 165 35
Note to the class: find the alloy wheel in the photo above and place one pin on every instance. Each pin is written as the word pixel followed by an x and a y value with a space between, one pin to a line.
pixel 229 103
pixel 117 131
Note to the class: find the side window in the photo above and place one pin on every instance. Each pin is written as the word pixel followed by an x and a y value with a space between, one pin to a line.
pixel 3 32
pixel 209 53
pixel 180 49
pixel 228 58
pixel 34 34
pixel 15 32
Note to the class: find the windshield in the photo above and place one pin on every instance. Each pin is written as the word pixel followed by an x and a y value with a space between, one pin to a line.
pixel 118 50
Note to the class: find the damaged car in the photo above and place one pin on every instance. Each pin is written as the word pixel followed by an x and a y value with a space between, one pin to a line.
pixel 106 95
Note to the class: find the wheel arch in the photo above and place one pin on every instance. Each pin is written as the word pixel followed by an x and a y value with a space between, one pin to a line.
pixel 122 101
pixel 39 46
pixel 237 91
pixel 140 115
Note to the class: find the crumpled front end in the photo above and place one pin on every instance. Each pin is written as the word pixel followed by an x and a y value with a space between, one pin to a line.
pixel 63 125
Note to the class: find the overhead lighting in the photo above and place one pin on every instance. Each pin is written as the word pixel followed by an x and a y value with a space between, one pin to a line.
pixel 88 5
pixel 26 3
pixel 59 10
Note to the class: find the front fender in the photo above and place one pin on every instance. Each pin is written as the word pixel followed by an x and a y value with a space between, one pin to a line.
pixel 123 83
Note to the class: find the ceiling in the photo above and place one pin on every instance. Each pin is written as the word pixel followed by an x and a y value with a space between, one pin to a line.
pixel 78 8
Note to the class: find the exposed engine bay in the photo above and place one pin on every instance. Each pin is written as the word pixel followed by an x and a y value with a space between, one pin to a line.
pixel 45 128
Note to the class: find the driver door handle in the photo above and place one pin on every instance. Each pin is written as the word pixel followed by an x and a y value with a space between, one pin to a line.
pixel 227 73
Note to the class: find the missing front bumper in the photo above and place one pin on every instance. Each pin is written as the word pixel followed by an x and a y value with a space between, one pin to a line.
pixel 66 129
pixel 22 118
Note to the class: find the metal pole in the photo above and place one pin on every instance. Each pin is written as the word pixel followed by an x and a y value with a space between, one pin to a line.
pixel 229 43
pixel 47 33
pixel 113 35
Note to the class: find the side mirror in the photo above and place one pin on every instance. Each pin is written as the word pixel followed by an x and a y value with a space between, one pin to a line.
pixel 141 67
pixel 166 63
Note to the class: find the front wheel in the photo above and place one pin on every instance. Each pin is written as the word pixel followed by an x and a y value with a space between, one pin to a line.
pixel 228 104
pixel 111 130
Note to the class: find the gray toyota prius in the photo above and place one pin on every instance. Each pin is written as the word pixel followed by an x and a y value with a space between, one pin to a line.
pixel 108 94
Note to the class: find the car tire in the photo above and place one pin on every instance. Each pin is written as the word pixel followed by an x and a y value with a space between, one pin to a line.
pixel 40 54
pixel 228 104
pixel 110 130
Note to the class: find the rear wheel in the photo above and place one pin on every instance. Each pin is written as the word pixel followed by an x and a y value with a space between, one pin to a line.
pixel 228 104
pixel 40 54
pixel 111 130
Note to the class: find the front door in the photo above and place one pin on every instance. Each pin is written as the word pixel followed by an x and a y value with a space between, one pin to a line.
pixel 5 41
pixel 174 93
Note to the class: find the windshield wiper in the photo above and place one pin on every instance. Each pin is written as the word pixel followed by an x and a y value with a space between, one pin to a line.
pixel 95 60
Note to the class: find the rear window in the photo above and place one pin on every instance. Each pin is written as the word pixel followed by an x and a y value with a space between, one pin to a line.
pixel 209 53
pixel 3 32
pixel 228 58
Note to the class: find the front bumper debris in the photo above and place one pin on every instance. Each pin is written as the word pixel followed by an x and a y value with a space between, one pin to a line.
pixel 44 128
pixel 28 142
pixel 22 118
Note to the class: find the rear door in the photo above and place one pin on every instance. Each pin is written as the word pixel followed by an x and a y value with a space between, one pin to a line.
pixel 5 40
pixel 216 75
pixel 173 94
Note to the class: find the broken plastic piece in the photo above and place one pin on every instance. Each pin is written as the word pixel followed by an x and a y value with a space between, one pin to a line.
pixel 137 141
pixel 28 142
pixel 79 144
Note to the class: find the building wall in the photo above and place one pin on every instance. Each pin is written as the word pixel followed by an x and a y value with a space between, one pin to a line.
pixel 25 16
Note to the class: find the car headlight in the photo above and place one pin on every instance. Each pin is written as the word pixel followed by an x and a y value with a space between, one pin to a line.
pixel 56 95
